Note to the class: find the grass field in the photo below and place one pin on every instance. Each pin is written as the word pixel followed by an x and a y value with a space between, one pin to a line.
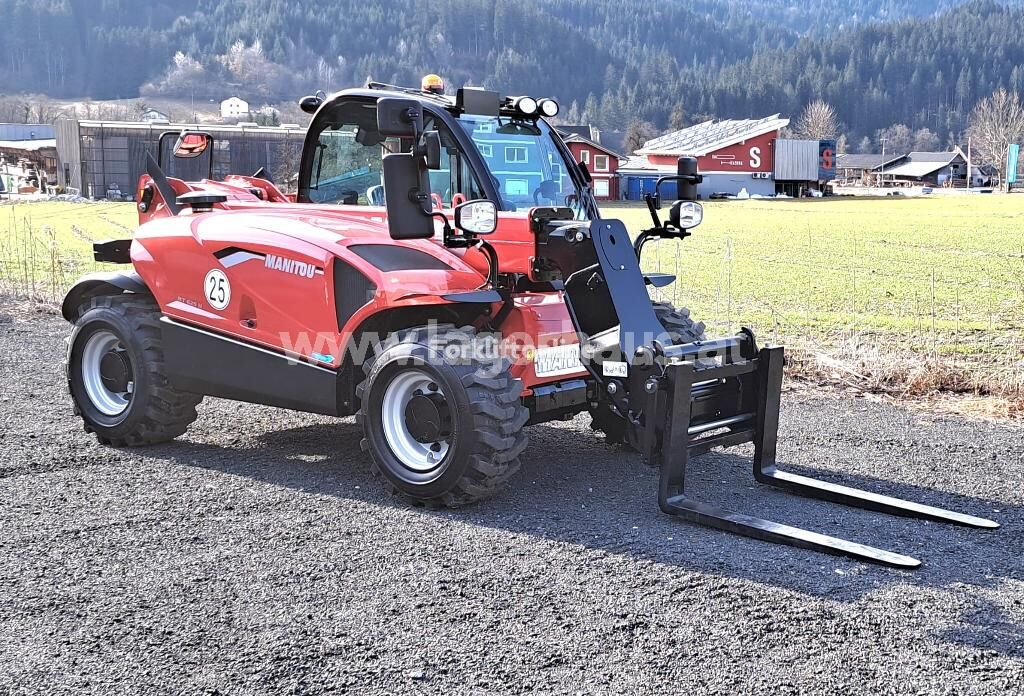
pixel 940 277
pixel 45 246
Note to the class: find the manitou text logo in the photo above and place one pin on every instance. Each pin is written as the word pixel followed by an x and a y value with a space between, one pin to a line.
pixel 299 268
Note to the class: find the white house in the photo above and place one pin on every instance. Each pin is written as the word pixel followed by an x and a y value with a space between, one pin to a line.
pixel 154 116
pixel 234 108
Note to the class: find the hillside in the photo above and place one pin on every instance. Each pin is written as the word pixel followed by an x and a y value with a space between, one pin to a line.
pixel 925 73
pixel 924 63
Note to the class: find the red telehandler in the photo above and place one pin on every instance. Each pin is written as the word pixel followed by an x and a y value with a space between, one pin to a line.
pixel 444 274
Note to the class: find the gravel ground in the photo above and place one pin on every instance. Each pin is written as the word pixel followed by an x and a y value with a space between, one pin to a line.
pixel 257 555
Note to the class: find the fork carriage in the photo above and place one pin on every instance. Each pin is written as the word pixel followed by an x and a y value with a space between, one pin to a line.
pixel 680 401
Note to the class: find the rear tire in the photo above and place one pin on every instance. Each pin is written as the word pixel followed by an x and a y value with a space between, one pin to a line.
pixel 678 323
pixel 116 374
pixel 603 420
pixel 443 425
pixel 681 328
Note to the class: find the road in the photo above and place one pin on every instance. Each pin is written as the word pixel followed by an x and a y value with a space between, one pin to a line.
pixel 257 555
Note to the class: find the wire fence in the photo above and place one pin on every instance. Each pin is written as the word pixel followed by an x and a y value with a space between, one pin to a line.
pixel 848 307
pixel 860 313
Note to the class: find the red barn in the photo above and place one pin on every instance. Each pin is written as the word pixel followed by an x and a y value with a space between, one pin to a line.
pixel 733 155
pixel 602 162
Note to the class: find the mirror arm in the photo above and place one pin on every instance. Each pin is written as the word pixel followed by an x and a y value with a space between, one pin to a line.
pixel 446 224
pixel 652 206
pixel 492 259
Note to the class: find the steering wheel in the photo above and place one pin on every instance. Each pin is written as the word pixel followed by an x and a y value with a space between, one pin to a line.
pixel 458 199
pixel 548 189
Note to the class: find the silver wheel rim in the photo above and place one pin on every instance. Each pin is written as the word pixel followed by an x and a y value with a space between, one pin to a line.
pixel 413 454
pixel 107 402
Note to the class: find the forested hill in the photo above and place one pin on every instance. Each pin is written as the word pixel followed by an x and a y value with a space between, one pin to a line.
pixel 921 73
pixel 878 61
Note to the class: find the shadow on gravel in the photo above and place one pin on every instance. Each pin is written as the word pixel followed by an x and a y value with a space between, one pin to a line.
pixel 987 628
pixel 576 490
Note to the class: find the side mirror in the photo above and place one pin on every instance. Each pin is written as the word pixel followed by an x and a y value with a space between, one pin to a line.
pixel 476 217
pixel 192 145
pixel 431 148
pixel 311 103
pixel 407 196
pixel 399 118
pixel 686 215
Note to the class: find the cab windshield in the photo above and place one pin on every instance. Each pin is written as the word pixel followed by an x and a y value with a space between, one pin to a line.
pixel 526 166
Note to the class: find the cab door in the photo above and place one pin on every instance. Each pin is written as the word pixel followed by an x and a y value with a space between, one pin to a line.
pixel 343 155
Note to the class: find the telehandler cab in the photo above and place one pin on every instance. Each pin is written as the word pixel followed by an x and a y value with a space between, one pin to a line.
pixel 444 274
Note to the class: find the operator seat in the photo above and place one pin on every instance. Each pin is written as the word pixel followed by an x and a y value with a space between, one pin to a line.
pixel 375 195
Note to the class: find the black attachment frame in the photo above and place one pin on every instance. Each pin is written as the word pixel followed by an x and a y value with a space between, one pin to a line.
pixel 682 400
pixel 685 417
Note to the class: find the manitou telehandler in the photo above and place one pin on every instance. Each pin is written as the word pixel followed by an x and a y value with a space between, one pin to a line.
pixel 443 273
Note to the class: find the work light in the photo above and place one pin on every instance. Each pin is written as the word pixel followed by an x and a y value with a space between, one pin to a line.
pixel 527 106
pixel 548 107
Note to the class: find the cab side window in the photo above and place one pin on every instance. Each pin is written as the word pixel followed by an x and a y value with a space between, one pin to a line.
pixel 345 165
pixel 455 175
pixel 346 160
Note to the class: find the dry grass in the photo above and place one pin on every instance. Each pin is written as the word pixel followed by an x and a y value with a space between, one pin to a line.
pixel 933 383
pixel 45 247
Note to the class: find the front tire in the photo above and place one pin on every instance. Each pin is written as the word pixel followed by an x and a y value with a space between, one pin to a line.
pixel 681 328
pixel 117 378
pixel 442 424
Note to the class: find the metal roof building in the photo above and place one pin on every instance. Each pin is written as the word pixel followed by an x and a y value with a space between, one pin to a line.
pixel 26 131
pixel 735 156
pixel 710 136
pixel 930 167
pixel 100 156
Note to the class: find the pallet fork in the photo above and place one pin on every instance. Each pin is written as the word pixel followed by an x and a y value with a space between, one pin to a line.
pixel 681 401
pixel 686 418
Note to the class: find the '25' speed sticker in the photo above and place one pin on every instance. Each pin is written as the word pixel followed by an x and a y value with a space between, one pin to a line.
pixel 217 289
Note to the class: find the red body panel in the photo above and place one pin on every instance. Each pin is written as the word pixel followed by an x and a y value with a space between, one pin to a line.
pixel 513 239
pixel 295 311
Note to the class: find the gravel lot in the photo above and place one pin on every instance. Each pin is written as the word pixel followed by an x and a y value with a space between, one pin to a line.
pixel 257 555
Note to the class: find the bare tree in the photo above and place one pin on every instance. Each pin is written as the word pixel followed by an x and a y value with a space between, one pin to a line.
pixel 925 140
pixel 897 140
pixel 32 108
pixel 996 123
pixel 638 133
pixel 677 119
pixel 818 121
pixel 286 168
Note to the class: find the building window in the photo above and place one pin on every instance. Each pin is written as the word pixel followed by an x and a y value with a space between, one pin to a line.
pixel 601 188
pixel 585 156
pixel 600 163
pixel 486 150
pixel 483 127
pixel 517 187
pixel 516 155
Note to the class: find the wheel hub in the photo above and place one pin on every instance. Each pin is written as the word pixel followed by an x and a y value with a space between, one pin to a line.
pixel 418 421
pixel 116 371
pixel 107 375
pixel 428 417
